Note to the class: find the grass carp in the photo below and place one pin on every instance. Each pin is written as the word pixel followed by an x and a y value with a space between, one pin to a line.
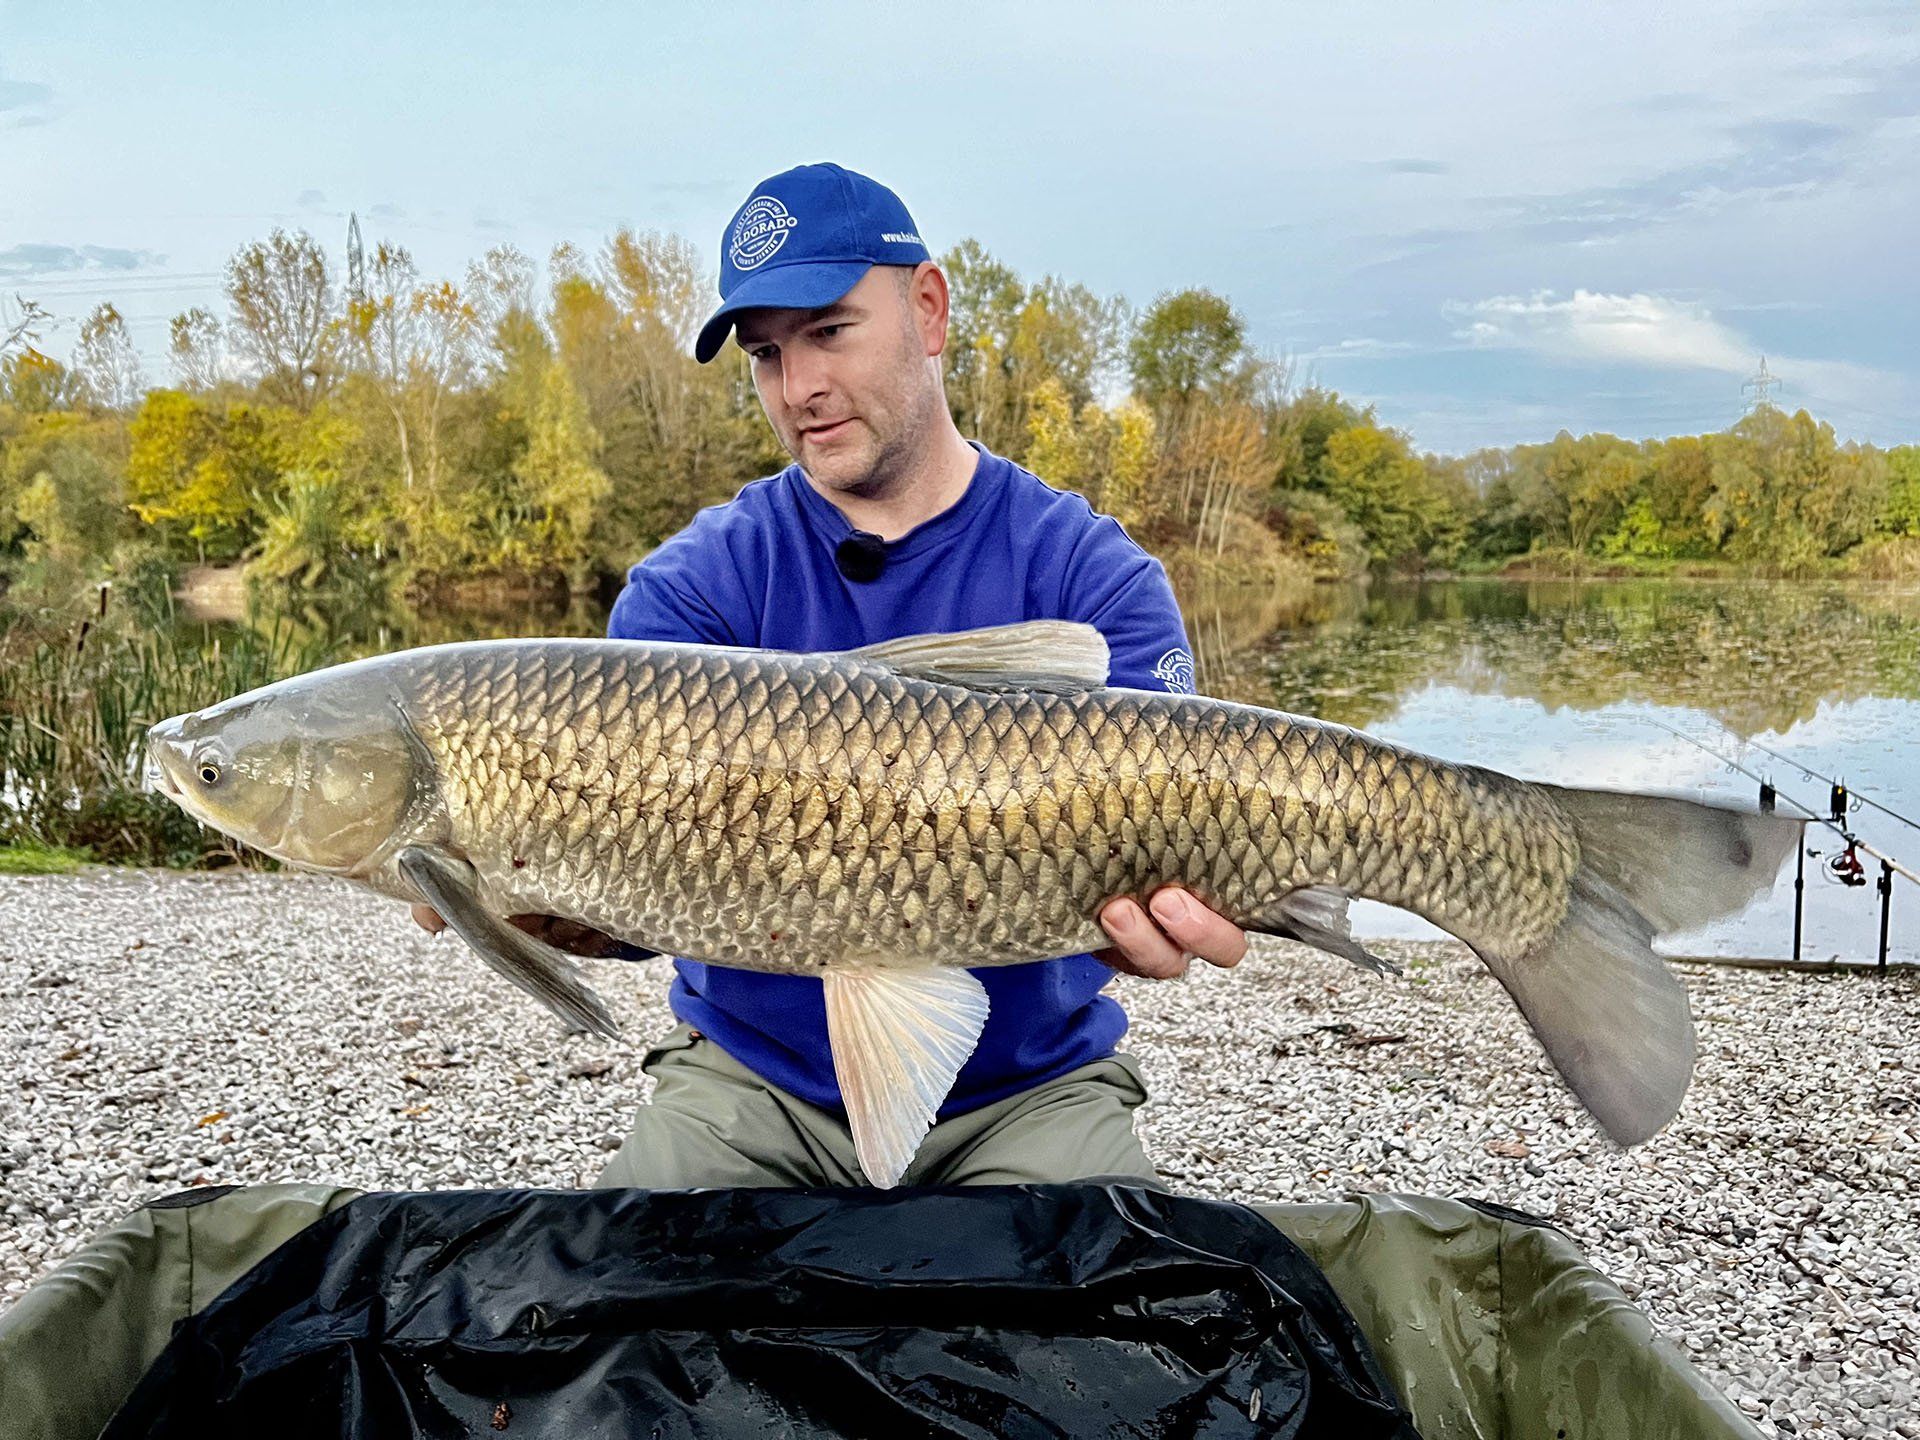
pixel 888 818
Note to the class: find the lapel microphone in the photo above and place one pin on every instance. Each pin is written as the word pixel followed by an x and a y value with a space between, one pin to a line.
pixel 861 556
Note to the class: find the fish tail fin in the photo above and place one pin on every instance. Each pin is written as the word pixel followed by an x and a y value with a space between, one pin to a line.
pixel 1609 1013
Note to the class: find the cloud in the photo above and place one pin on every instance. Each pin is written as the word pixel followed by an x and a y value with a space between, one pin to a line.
pixel 1661 333
pixel 311 199
pixel 22 95
pixel 1414 167
pixel 1635 329
pixel 30 259
pixel 1360 349
pixel 385 211
pixel 23 103
pixel 1774 160
pixel 1770 159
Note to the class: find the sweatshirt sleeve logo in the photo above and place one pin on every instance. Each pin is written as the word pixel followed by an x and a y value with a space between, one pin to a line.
pixel 759 231
pixel 1175 670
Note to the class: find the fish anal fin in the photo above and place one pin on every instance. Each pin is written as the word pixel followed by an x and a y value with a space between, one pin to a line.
pixel 448 884
pixel 1061 656
pixel 899 1036
pixel 1317 916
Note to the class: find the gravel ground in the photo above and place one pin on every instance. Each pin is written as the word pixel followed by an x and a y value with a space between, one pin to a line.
pixel 164 1031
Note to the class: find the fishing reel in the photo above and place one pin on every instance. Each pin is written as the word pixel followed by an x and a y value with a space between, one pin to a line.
pixel 1846 867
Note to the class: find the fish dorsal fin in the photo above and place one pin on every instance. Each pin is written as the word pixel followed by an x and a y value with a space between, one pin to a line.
pixel 899 1037
pixel 1063 656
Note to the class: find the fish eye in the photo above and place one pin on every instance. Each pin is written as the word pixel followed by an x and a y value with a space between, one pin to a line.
pixel 209 773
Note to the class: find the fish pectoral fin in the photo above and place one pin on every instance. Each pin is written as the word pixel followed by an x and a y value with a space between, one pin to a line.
pixel 899 1037
pixel 1059 656
pixel 1317 916
pixel 543 972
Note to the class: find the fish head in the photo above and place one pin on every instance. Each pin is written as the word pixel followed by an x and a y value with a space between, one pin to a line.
pixel 319 777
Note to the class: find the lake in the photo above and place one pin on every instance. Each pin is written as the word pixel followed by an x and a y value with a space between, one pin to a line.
pixel 1576 683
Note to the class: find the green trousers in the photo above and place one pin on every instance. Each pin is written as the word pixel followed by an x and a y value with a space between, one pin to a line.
pixel 713 1122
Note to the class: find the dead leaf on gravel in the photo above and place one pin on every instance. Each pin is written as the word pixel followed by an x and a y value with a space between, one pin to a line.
pixel 1363 1042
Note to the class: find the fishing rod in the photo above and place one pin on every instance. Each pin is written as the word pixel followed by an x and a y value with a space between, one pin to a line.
pixel 1850 872
pixel 1768 788
pixel 1841 792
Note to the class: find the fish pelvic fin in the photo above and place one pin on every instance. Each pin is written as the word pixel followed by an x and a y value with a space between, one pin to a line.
pixel 899 1037
pixel 1609 1013
pixel 543 972
pixel 1317 916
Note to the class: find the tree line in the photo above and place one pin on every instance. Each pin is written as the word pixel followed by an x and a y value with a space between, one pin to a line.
pixel 425 431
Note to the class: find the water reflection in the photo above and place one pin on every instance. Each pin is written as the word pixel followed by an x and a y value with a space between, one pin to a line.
pixel 346 626
pixel 1757 656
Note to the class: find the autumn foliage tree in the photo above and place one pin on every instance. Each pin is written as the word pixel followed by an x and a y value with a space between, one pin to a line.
pixel 282 322
pixel 546 431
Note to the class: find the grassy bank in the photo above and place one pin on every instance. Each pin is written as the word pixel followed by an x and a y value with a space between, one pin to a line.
pixel 1250 557
pixel 31 858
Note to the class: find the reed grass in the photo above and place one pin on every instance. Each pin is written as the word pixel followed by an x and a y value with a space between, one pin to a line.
pixel 76 700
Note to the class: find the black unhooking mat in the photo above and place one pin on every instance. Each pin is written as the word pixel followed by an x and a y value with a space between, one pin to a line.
pixel 996 1312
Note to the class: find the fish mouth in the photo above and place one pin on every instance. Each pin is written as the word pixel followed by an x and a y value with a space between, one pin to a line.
pixel 156 781
pixel 155 778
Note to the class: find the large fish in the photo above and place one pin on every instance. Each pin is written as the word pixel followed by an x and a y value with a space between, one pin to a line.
pixel 890 817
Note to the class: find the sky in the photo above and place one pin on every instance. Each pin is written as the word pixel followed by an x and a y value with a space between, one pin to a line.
pixel 1490 220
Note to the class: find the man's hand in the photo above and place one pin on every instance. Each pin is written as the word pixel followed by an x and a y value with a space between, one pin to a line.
pixel 1159 941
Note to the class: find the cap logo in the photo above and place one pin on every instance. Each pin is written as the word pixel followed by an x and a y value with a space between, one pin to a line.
pixel 759 232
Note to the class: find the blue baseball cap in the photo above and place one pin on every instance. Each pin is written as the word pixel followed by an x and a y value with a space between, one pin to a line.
pixel 803 239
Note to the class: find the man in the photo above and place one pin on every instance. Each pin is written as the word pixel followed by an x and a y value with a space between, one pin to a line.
pixel 889 523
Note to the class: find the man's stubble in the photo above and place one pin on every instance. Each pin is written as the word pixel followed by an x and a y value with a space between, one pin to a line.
pixel 898 455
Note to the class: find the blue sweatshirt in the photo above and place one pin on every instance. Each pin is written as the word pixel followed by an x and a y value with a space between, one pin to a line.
pixel 759 571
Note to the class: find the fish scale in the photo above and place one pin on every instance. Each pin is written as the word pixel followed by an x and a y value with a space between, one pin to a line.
pixel 797 773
